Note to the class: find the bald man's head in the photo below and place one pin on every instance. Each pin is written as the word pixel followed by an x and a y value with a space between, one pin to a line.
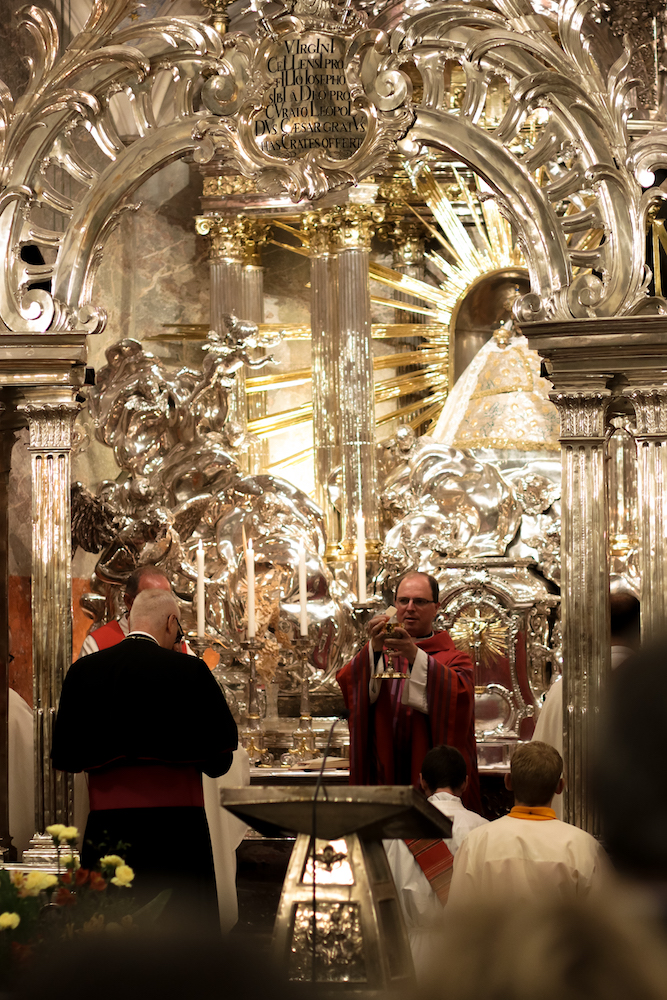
pixel 157 613
pixel 146 577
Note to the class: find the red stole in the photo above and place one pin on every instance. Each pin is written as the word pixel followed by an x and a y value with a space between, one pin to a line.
pixel 437 863
pixel 388 740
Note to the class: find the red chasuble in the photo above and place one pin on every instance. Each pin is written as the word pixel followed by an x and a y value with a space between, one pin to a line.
pixel 108 635
pixel 388 740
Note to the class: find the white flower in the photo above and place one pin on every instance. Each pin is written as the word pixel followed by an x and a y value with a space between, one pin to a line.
pixel 123 876
pixel 9 920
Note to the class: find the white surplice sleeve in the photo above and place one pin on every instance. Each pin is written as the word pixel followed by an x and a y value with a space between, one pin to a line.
pixel 414 689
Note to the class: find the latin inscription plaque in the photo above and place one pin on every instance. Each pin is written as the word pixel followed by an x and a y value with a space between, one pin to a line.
pixel 308 106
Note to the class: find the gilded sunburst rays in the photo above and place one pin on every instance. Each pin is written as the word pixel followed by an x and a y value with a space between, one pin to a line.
pixel 480 633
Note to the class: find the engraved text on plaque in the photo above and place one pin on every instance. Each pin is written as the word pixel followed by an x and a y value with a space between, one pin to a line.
pixel 308 107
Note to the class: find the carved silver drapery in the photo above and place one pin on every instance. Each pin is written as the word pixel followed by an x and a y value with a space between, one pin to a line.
pixel 51 414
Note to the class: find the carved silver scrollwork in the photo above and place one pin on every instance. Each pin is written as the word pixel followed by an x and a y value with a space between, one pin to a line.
pixel 318 105
pixel 562 164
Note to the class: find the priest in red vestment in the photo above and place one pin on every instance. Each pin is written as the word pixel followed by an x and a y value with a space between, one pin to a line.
pixel 393 723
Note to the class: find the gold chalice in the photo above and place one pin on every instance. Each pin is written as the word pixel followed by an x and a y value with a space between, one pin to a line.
pixel 389 674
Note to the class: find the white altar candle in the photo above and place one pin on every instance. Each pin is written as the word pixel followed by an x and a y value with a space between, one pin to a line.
pixel 303 593
pixel 201 606
pixel 250 576
pixel 361 557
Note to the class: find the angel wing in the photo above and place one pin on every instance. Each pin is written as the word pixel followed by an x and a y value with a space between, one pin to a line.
pixel 94 521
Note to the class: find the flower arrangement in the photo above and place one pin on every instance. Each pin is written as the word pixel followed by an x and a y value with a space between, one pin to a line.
pixel 37 907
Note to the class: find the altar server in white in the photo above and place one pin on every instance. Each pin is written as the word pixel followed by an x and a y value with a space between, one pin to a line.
pixel 443 779
pixel 529 853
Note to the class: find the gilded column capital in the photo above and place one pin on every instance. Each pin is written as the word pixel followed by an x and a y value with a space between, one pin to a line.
pixel 353 226
pixel 319 227
pixel 219 16
pixel 408 236
pixel 233 238
pixel 396 190
pixel 401 226
pixel 225 185
pixel 582 414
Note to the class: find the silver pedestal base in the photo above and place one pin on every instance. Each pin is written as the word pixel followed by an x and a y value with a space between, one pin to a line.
pixel 360 937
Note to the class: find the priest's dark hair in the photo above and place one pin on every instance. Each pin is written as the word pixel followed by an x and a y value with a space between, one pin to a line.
pixel 137 575
pixel 535 771
pixel 444 767
pixel 433 583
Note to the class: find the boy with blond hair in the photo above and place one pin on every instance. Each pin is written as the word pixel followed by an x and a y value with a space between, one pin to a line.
pixel 529 852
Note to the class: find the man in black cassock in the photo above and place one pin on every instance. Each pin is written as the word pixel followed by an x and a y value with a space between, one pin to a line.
pixel 144 722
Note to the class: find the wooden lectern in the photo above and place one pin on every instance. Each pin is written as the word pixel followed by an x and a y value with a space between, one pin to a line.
pixel 345 930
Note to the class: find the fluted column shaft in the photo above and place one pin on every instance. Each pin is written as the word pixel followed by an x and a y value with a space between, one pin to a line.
pixel 408 258
pixel 325 352
pixel 353 231
pixel 7 439
pixel 252 309
pixel 584 590
pixel 51 414
pixel 650 405
pixel 237 286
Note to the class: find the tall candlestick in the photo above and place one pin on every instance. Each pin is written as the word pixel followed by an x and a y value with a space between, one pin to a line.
pixel 361 557
pixel 201 606
pixel 250 576
pixel 303 593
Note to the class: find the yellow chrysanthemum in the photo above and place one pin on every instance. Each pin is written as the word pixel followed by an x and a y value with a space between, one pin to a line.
pixel 111 861
pixel 35 882
pixel 123 876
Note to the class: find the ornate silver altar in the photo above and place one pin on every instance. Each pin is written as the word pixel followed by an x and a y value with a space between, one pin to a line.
pixel 339 922
pixel 530 111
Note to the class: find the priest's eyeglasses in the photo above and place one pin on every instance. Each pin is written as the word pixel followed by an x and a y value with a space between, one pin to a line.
pixel 419 602
pixel 180 634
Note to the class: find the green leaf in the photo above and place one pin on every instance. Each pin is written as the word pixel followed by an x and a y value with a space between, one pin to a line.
pixel 149 913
